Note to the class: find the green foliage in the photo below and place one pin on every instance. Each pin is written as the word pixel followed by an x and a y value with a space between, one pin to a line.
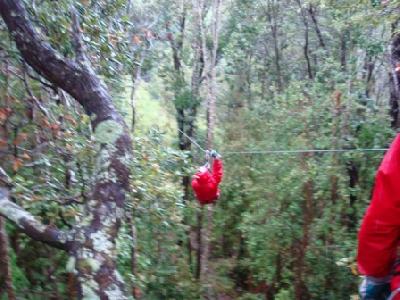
pixel 280 217
pixel 158 214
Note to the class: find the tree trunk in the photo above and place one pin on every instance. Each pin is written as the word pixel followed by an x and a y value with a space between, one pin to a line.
pixel 184 119
pixel 311 11
pixel 210 61
pixel 352 171
pixel 6 284
pixel 343 48
pixel 395 79
pixel 306 40
pixel 132 231
pixel 369 67
pixel 273 24
pixel 300 288
pixel 72 286
pixel 205 272
pixel 336 113
pixel 199 236
pixel 135 80
pixel 91 244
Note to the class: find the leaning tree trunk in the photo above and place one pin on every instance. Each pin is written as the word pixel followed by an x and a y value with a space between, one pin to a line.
pixel 306 47
pixel 312 13
pixel 91 243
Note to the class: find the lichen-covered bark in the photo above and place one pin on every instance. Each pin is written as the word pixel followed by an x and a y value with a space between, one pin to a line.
pixel 92 251
pixel 94 259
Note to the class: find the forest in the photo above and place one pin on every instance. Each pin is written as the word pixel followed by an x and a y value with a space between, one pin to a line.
pixel 108 108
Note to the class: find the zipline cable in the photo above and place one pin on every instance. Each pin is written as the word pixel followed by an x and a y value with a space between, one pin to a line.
pixel 304 151
pixel 287 151
pixel 192 140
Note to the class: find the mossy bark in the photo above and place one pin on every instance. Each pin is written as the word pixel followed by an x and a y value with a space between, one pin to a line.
pixel 91 243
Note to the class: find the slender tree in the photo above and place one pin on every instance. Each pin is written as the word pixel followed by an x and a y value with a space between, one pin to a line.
pixel 210 58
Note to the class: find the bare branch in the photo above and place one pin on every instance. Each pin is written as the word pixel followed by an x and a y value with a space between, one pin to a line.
pixel 5 180
pixel 30 93
pixel 45 84
pixel 77 37
pixel 29 225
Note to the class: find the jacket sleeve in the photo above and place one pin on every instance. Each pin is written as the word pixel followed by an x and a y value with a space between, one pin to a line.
pixel 380 230
pixel 217 170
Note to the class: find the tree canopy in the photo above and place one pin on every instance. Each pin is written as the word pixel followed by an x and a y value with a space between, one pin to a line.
pixel 107 108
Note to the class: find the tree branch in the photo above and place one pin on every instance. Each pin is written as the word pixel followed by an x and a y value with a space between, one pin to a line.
pixel 77 38
pixel 30 226
pixel 97 232
pixel 30 93
pixel 77 80
pixel 47 85
pixel 311 11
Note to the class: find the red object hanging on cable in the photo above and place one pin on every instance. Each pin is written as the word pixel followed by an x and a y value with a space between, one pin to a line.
pixel 205 182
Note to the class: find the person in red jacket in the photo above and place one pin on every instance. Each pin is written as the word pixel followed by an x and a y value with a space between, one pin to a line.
pixel 205 183
pixel 379 235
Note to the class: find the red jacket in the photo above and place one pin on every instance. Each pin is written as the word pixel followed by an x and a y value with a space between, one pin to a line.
pixel 205 183
pixel 379 234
